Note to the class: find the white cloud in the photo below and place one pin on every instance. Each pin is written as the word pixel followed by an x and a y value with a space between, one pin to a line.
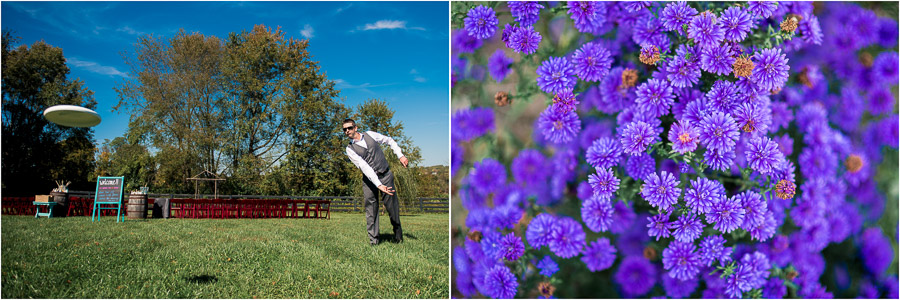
pixel 307 31
pixel 386 24
pixel 344 85
pixel 413 71
pixel 129 30
pixel 95 67
pixel 419 79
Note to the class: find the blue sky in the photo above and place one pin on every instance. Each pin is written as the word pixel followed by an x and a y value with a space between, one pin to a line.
pixel 393 51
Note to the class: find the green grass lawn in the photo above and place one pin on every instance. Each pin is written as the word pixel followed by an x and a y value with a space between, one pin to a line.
pixel 203 258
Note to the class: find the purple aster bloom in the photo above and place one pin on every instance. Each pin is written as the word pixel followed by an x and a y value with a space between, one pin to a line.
pixel 695 111
pixel 585 14
pixel 600 255
pixel 722 96
pixel 465 43
pixel 683 72
pixel 684 137
pixel 737 283
pixel 567 237
pixel 500 283
pixel 706 30
pixel 525 40
pixel 512 247
pixel 736 23
pixel 727 214
pixel 770 69
pixel 604 153
pixel 712 248
pixel 681 260
pixel 548 266
pixel 753 118
pixel 781 116
pixel 763 155
pixel 481 22
pixel 703 194
pixel 677 14
pixel 809 30
pixel 718 131
pixel 762 9
pixel 565 101
pixel 754 208
pixel 678 289
pixel 661 191
pixel 648 30
pixel 556 75
pixel 604 183
pixel 636 276
pixel 525 12
pixel 876 250
pixel 655 97
pixel 641 166
pixel 498 65
pixel 687 228
pixel 885 67
pixel 659 226
pixel 559 125
pixel 539 230
pixel 472 123
pixel 597 214
pixel 633 6
pixel 623 217
pixel 457 153
pixel 718 59
pixel 530 167
pixel 487 176
pixel 887 32
pixel 592 62
pixel 774 289
pixel 637 136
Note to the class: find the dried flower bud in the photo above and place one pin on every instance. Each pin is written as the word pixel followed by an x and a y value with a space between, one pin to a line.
pixel 804 78
pixel 854 163
pixel 475 236
pixel 649 55
pixel 546 289
pixel 650 253
pixel 629 78
pixel 743 67
pixel 502 99
pixel 790 23
pixel 866 59
pixel 790 275
pixel 785 189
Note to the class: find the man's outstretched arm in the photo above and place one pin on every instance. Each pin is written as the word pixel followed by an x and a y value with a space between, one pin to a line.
pixel 368 171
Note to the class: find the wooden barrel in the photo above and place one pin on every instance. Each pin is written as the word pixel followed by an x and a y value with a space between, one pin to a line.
pixel 137 206
pixel 62 204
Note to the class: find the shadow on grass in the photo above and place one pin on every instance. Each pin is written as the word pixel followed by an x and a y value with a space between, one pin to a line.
pixel 203 279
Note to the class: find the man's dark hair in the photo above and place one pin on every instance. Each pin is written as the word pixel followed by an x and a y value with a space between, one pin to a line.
pixel 348 120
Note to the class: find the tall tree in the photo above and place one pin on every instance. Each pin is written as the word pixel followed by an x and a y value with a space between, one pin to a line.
pixel 35 151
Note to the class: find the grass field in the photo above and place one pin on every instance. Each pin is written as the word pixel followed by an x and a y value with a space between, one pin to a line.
pixel 203 258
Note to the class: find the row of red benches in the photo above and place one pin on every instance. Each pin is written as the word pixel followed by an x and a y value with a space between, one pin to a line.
pixel 192 208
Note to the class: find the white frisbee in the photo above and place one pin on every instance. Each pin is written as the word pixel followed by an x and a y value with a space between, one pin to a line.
pixel 72 116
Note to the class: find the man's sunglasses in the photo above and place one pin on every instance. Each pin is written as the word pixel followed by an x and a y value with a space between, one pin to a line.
pixel 347 128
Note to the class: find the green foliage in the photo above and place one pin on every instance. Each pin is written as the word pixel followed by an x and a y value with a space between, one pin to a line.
pixel 130 160
pixel 35 151
pixel 235 258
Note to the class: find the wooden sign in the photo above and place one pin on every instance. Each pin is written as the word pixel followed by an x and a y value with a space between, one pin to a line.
pixel 109 189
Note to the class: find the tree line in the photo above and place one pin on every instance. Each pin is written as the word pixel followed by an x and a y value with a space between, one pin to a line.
pixel 253 107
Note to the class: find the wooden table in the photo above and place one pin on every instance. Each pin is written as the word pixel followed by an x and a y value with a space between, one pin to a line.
pixel 48 214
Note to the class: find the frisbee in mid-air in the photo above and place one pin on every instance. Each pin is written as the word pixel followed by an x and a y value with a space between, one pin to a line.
pixel 72 116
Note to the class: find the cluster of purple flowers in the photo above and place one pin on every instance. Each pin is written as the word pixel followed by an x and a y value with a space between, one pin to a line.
pixel 711 149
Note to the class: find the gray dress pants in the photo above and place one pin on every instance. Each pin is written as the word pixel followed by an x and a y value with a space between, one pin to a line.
pixel 370 199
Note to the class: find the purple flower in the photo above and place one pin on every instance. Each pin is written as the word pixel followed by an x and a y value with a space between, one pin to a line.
pixel 500 283
pixel 762 9
pixel 548 266
pixel 636 276
pixel 481 22
pixel 648 31
pixel 722 96
pixel 539 230
pixel 600 255
pixel 876 250
pixel 592 62
pixel 718 59
pixel 471 123
pixel 810 31
pixel 706 30
pixel 677 289
pixel 585 14
pixel 737 282
pixel 530 167
pixel 736 23
pixel 498 65
pixel 687 228
pixel 633 6
pixel 718 131
pixel 512 247
pixel 487 176
pixel 683 72
pixel 659 226
pixel 684 137
pixel 661 191
pixel 677 14
pixel 755 208
pixel 559 125
pixel 763 155
pixel 525 12
pixel 703 194
pixel 727 214
pixel 604 153
pixel 567 237
pixel 695 111
pixel 524 40
pixel 604 183
pixel 770 69
pixel 765 230
pixel 753 118
pixel 457 153
pixel 775 289
pixel 712 248
pixel 721 160
pixel 556 75
pixel 887 32
pixel 655 97
pixel 681 261
pixel 885 67
pixel 597 214
pixel 637 136
pixel 465 43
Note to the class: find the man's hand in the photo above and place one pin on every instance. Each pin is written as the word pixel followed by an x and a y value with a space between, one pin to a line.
pixel 404 161
pixel 386 189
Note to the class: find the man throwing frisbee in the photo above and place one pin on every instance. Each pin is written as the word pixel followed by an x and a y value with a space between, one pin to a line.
pixel 365 152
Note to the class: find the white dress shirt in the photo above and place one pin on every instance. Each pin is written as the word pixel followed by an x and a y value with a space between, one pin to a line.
pixel 361 163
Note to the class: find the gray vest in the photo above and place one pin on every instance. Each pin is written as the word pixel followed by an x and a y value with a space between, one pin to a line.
pixel 372 155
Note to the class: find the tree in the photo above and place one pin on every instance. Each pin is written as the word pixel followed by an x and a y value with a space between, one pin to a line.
pixel 130 160
pixel 35 151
